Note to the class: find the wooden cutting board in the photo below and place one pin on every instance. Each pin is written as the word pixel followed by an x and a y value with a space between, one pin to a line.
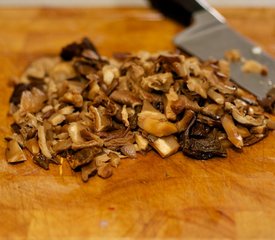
pixel 147 197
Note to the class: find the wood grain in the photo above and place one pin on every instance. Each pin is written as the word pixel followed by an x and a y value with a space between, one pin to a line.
pixel 147 197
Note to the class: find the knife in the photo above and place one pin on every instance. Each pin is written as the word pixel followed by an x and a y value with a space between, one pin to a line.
pixel 208 36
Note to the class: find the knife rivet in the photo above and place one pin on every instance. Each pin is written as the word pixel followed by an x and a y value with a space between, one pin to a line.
pixel 256 50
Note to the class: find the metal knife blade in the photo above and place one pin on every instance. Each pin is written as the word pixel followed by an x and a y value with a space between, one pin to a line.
pixel 209 37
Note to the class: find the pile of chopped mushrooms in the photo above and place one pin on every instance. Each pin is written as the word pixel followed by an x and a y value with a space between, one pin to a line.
pixel 93 111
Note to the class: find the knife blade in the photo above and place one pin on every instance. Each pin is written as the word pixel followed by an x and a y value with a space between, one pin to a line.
pixel 209 36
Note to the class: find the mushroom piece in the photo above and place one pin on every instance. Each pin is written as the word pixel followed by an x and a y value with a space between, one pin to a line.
pixel 184 103
pixel 232 131
pixel 141 142
pixel 62 71
pixel 185 121
pixel 217 97
pixel 88 170
pixel 14 153
pixel 125 97
pixel 42 142
pixel 129 150
pixel 32 145
pixel 270 124
pixel 154 122
pixel 204 147
pixel 105 171
pixel 114 159
pixel 213 110
pixel 198 86
pixel 62 145
pixel 56 119
pixel 74 98
pixel 32 101
pixel 160 82
pixel 101 121
pixel 74 130
pixel 41 161
pixel 166 146
pixel 82 157
pixel 242 118
pixel 243 131
pixel 125 116
pixel 233 55
pixel 252 66
pixel 253 139
pixel 109 73
pixel 169 98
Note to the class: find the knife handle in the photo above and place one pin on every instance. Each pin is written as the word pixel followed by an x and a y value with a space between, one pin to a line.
pixel 183 10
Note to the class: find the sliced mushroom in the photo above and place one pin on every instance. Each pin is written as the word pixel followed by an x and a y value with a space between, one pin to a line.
pixel 129 150
pixel 160 82
pixel 217 97
pixel 32 101
pixel 74 98
pixel 232 131
pixel 62 71
pixel 245 119
pixel 114 159
pixel 32 146
pixel 184 103
pixel 88 171
pixel 105 171
pixel 198 86
pixel 126 97
pixel 74 130
pixel 56 119
pixel 213 110
pixel 252 66
pixel 169 98
pixel 101 121
pixel 109 73
pixel 14 153
pixel 154 122
pixel 82 157
pixel 141 142
pixel 166 146
pixel 42 142
pixel 185 121
pixel 233 55
pixel 41 160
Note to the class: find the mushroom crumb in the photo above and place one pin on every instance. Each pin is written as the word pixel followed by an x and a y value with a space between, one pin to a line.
pixel 252 66
pixel 93 111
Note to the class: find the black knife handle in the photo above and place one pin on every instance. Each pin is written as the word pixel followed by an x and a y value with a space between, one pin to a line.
pixel 179 10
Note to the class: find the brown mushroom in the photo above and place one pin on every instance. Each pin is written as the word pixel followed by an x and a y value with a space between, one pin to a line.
pixel 159 82
pixel 14 153
pixel 232 131
pixel 126 97
pixel 183 103
pixel 169 98
pixel 154 122
pixel 198 86
pixel 166 146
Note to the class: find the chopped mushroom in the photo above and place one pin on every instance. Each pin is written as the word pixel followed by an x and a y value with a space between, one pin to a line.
pixel 126 97
pixel 93 111
pixel 154 122
pixel 159 82
pixel 198 86
pixel 14 153
pixel 232 131
pixel 252 66
pixel 42 142
pixel 166 146
pixel 233 55
pixel 170 97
